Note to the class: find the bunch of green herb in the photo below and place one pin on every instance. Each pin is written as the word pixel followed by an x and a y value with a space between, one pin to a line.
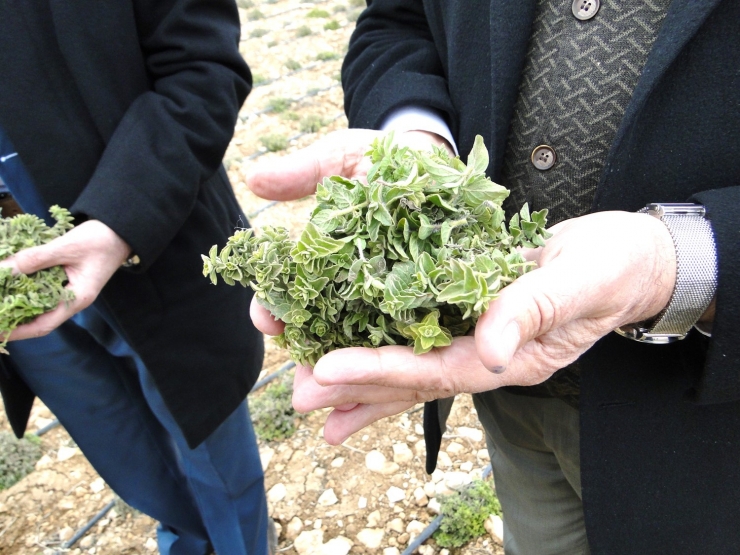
pixel 464 514
pixel 27 296
pixel 412 257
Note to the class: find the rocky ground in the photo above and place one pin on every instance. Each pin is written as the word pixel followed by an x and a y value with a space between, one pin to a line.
pixel 370 495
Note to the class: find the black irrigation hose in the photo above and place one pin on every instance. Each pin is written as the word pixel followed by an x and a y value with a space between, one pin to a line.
pixel 267 379
pixel 434 525
pixel 82 531
pixel 50 426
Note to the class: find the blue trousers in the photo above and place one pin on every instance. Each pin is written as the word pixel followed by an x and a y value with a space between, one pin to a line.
pixel 210 497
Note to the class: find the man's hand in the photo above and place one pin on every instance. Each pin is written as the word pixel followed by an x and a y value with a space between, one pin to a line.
pixel 596 273
pixel 90 254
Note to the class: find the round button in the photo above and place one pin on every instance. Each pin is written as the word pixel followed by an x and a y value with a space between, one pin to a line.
pixel 585 9
pixel 543 157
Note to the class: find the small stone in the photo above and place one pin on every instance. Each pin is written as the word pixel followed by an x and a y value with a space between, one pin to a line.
pixel 415 528
pixel 373 519
pixel 457 480
pixel 370 537
pixel 495 527
pixel 419 429
pixel 420 497
pixel 317 524
pixel 337 546
pixel 337 462
pixel 442 489
pixel 454 448
pixel 66 504
pixel 395 494
pixel 444 460
pixel 66 453
pixel 401 453
pixel 467 466
pixel 438 475
pixel 375 461
pixel 150 544
pixel 97 485
pixel 309 542
pixel 66 533
pixel 87 542
pixel 391 551
pixel 483 455
pixel 403 539
pixel 277 493
pixel 294 527
pixel 429 489
pixel 434 506
pixel 396 525
pixel 473 434
pixel 44 462
pixel 266 455
pixel 426 550
pixel 420 448
pixel 362 503
pixel 327 498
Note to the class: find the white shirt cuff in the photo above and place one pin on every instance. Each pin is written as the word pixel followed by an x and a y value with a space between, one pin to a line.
pixel 413 118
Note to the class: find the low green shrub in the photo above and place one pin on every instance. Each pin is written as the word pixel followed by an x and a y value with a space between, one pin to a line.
pixel 17 457
pixel 274 143
pixel 312 124
pixel 316 12
pixel 327 56
pixel 255 15
pixel 292 64
pixel 258 33
pixel 464 514
pixel 272 411
pixel 303 31
pixel 279 104
pixel 331 25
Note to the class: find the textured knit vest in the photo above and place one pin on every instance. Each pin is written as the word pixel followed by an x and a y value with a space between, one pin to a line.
pixel 583 63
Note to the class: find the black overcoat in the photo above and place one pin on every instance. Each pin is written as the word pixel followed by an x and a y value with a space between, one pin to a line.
pixel 660 425
pixel 162 83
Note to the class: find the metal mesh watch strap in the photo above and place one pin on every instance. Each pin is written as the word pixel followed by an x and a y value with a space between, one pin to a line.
pixel 696 274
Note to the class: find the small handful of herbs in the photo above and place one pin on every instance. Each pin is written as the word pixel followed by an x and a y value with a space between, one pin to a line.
pixel 413 257
pixel 27 296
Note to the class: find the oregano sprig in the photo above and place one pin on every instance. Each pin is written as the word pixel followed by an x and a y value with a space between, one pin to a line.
pixel 27 296
pixel 412 257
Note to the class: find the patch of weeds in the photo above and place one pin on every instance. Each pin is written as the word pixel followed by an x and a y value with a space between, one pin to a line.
pixel 17 457
pixel 274 142
pixel 357 3
pixel 316 12
pixel 303 31
pixel 290 116
pixel 312 124
pixel 258 79
pixel 338 77
pixel 293 65
pixel 254 15
pixel 122 508
pixel 258 33
pixel 340 8
pixel 272 411
pixel 271 44
pixel 313 91
pixel 464 514
pixel 327 56
pixel 279 104
pixel 331 25
pixel 245 4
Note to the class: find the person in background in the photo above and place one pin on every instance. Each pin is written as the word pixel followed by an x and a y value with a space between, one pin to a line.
pixel 121 112
pixel 623 119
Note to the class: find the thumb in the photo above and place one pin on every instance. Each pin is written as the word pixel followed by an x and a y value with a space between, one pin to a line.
pixel 296 175
pixel 533 305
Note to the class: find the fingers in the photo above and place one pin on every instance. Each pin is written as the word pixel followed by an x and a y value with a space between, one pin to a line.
pixel 45 323
pixel 342 424
pixel 296 175
pixel 263 320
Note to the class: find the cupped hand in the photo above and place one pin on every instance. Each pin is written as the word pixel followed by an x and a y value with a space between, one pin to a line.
pixel 90 253
pixel 596 273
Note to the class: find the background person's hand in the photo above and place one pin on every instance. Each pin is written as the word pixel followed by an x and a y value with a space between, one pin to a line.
pixel 90 253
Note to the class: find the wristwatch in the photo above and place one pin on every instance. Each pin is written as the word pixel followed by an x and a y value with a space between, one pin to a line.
pixel 696 274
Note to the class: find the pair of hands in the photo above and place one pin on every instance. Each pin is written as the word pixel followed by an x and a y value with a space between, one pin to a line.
pixel 596 273
pixel 90 253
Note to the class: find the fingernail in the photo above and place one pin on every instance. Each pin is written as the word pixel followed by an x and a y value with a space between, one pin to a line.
pixel 498 369
pixel 506 344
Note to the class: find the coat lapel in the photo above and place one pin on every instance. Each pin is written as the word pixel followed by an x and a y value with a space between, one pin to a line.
pixel 511 26
pixel 681 23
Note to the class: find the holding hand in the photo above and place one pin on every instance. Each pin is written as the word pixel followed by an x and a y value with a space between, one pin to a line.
pixel 596 273
pixel 90 253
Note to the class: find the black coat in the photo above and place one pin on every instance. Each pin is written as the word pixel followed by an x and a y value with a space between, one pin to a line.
pixel 160 85
pixel 660 425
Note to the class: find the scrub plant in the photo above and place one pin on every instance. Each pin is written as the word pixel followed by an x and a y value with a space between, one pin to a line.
pixel 464 514
pixel 24 297
pixel 272 411
pixel 17 457
pixel 413 256
pixel 274 142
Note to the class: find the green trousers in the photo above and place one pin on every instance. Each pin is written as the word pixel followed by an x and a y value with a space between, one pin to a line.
pixel 534 448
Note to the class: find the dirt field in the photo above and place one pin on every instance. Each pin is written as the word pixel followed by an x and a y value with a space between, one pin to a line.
pixel 326 500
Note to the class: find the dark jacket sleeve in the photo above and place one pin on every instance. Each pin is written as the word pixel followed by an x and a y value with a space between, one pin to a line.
pixel 173 137
pixel 393 62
